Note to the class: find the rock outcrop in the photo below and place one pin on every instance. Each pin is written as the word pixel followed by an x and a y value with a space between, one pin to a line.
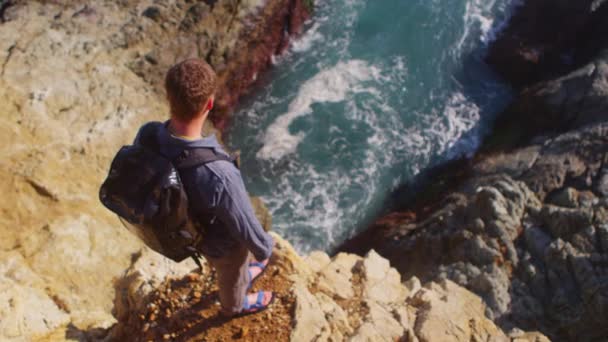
pixel 523 223
pixel 546 39
pixel 345 298
pixel 76 81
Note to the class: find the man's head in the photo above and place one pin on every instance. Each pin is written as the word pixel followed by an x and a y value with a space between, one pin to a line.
pixel 190 87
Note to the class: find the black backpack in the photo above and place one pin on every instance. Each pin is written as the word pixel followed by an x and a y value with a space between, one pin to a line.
pixel 145 190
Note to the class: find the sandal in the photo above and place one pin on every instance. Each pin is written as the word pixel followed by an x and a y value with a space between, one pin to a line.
pixel 262 269
pixel 256 307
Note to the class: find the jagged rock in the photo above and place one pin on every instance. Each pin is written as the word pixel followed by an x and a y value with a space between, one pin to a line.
pixel 413 285
pixel 336 277
pixel 528 50
pixel 22 290
pixel 335 316
pixel 147 271
pixel 602 182
pixel 564 222
pixel 567 197
pixel 310 322
pixel 317 260
pixel 382 282
pixel 68 253
pixel 537 241
pixel 447 312
pixel 563 104
pixel 149 289
pixel 379 325
pixel 534 258
pixel 521 336
pixel 602 233
pixel 289 260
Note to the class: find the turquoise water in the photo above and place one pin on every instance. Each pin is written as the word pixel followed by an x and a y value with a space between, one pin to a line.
pixel 374 92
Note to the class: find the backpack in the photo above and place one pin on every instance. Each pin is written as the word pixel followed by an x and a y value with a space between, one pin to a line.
pixel 145 190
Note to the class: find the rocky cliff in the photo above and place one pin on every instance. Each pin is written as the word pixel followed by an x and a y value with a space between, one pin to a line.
pixel 347 297
pixel 76 80
pixel 524 223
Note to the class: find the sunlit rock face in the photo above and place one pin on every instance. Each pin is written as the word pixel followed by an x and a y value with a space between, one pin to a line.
pixel 344 298
pixel 76 81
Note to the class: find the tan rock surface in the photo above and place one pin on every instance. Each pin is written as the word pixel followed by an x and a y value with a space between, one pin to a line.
pixel 336 277
pixel 435 312
pixel 448 312
pixel 20 290
pixel 76 80
pixel 381 282
pixel 153 300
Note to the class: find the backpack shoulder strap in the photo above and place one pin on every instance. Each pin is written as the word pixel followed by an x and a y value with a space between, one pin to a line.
pixel 199 156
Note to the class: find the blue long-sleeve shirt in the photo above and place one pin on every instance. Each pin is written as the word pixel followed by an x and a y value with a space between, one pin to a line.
pixel 216 190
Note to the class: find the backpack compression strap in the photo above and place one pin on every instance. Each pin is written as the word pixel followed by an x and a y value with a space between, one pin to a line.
pixel 199 156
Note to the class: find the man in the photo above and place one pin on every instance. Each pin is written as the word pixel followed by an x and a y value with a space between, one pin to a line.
pixel 215 190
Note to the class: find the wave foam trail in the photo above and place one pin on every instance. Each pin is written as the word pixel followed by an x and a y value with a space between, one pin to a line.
pixel 484 15
pixel 461 116
pixel 312 36
pixel 329 85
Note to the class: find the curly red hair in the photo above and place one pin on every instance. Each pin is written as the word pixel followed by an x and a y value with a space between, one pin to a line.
pixel 189 85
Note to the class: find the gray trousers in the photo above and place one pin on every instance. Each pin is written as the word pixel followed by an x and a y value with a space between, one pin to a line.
pixel 232 278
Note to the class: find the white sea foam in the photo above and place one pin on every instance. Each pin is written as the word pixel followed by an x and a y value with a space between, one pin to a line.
pixel 477 14
pixel 460 117
pixel 310 38
pixel 450 130
pixel 379 138
pixel 329 85
pixel 481 15
pixel 318 199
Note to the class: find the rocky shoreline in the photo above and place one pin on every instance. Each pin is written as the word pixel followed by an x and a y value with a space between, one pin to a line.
pixel 523 223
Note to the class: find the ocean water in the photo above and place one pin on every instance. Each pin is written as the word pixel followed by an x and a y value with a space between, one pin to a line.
pixel 371 94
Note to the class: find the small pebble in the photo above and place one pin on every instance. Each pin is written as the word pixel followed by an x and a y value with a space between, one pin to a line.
pixel 243 332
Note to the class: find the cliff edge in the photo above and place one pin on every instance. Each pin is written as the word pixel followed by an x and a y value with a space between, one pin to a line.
pixel 76 81
pixel 345 298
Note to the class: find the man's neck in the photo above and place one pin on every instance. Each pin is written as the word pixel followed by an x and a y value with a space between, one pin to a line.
pixel 191 129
